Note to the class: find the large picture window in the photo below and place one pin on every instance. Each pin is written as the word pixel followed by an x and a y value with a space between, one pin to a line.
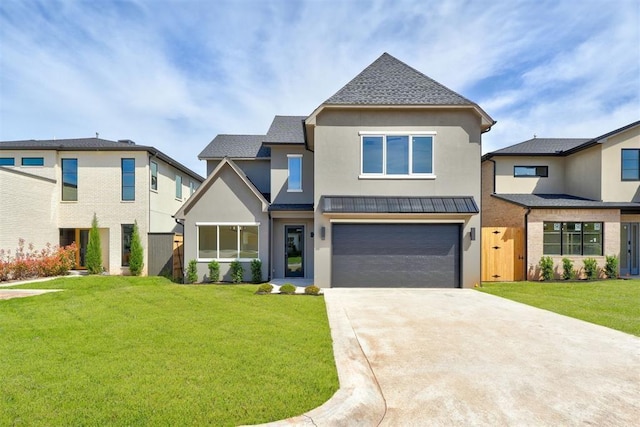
pixel 128 179
pixel 573 238
pixel 70 179
pixel 394 155
pixel 630 165
pixel 227 242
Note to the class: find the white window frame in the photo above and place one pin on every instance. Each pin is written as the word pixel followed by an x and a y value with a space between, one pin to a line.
pixel 384 174
pixel 289 189
pixel 225 224
pixel 179 187
pixel 151 176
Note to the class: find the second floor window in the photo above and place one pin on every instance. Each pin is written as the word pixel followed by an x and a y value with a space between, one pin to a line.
pixel 70 180
pixel 178 187
pixel 154 176
pixel 7 161
pixel 295 172
pixel 33 161
pixel 531 171
pixel 128 179
pixel 397 155
pixel 630 165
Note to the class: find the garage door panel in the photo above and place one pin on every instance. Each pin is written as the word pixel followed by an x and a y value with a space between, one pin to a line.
pixel 395 255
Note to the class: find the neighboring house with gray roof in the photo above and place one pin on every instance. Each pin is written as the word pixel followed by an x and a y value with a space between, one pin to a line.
pixel 378 186
pixel 571 197
pixel 50 189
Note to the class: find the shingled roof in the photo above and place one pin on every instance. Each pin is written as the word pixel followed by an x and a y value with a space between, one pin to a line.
pixel 236 147
pixel 542 146
pixel 389 81
pixel 564 201
pixel 286 130
pixel 94 144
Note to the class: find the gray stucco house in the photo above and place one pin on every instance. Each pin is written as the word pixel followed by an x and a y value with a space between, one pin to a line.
pixel 378 186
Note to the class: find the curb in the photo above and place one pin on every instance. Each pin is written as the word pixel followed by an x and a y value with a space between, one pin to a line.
pixel 359 401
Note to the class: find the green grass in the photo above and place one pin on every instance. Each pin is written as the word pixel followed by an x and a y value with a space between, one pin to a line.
pixel 611 303
pixel 144 351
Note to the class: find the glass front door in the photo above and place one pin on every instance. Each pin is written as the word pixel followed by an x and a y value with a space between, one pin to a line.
pixel 629 249
pixel 81 238
pixel 294 251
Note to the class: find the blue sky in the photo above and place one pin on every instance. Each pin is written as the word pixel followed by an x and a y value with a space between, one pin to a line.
pixel 174 74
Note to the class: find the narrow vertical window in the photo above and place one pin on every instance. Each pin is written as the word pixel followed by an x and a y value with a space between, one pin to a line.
pixel 295 172
pixel 192 187
pixel 127 232
pixel 178 187
pixel 70 180
pixel 372 154
pixel 154 176
pixel 128 179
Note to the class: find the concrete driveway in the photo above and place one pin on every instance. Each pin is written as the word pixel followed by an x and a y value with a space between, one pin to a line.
pixel 461 357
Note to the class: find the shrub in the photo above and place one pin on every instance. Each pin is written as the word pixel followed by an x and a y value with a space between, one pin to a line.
pixel 49 261
pixel 192 271
pixel 256 271
pixel 265 288
pixel 288 289
pixel 611 266
pixel 312 290
pixel 590 268
pixel 136 260
pixel 94 250
pixel 567 269
pixel 237 271
pixel 214 271
pixel 546 267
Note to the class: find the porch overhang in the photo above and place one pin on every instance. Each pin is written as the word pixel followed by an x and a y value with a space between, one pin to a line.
pixel 457 205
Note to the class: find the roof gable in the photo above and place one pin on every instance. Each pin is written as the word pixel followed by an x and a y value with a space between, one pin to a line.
pixel 389 81
pixel 202 189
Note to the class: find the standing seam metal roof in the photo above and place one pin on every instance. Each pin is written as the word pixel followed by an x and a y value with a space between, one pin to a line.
pixel 377 204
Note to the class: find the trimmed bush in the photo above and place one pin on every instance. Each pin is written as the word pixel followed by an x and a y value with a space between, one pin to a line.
pixel 214 271
pixel 136 259
pixel 611 266
pixel 567 269
pixel 256 271
pixel 192 271
pixel 237 272
pixel 590 268
pixel 546 268
pixel 312 290
pixel 288 289
pixel 265 288
pixel 94 249
pixel 29 262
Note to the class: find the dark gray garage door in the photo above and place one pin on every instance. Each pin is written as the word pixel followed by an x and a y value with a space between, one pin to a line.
pixel 396 255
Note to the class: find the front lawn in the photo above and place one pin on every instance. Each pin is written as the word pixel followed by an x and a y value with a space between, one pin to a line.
pixel 611 303
pixel 144 351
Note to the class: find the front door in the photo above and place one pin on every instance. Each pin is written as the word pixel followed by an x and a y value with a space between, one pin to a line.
pixel 81 237
pixel 294 251
pixel 629 248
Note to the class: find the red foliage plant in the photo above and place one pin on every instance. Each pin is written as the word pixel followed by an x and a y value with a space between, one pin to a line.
pixel 28 263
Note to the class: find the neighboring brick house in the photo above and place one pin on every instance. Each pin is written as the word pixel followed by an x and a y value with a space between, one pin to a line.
pixel 379 186
pixel 50 189
pixel 575 198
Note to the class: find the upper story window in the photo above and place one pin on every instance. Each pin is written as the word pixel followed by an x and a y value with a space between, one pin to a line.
pixel 630 165
pixel 531 171
pixel 572 238
pixel 70 180
pixel 33 161
pixel 128 179
pixel 7 161
pixel 192 187
pixel 295 172
pixel 397 155
pixel 178 187
pixel 154 176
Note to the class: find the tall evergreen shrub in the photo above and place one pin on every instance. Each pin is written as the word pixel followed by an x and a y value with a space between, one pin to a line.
pixel 136 260
pixel 93 258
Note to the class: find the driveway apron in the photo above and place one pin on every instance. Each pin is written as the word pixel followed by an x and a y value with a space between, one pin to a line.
pixel 461 357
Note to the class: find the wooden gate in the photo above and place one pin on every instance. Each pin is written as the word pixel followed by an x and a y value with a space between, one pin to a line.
pixel 178 253
pixel 502 254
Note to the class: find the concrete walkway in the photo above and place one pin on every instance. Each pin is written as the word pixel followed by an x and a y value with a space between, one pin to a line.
pixel 460 357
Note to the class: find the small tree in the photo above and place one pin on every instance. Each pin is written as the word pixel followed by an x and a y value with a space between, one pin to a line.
pixel 93 258
pixel 214 271
pixel 546 267
pixel 567 269
pixel 136 259
pixel 256 271
pixel 192 271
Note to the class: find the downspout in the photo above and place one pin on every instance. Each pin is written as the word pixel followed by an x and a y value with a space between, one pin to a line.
pixel 526 244
pixel 178 221
pixel 270 247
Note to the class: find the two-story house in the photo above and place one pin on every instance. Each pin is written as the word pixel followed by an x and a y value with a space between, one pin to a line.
pixel 50 189
pixel 378 187
pixel 573 198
